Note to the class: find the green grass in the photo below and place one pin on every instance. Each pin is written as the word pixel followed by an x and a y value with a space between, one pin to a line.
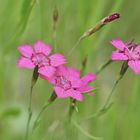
pixel 22 23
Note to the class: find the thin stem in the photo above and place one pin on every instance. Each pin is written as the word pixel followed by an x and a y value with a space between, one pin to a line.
pixel 39 115
pixel 54 37
pixel 72 107
pixel 103 66
pixel 106 106
pixel 84 132
pixel 122 72
pixel 51 99
pixel 76 45
pixel 111 93
pixel 34 79
pixel 29 114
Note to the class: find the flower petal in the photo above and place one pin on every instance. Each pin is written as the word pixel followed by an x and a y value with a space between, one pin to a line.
pixel 25 63
pixel 26 50
pixel 60 92
pixel 137 49
pixel 41 47
pixel 73 72
pixel 88 78
pixel 61 70
pixel 47 71
pixel 118 56
pixel 135 66
pixel 85 89
pixel 118 44
pixel 75 94
pixel 76 82
pixel 50 80
pixel 73 76
pixel 68 72
pixel 57 59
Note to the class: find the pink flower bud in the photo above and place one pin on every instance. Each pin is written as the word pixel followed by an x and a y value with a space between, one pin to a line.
pixel 111 18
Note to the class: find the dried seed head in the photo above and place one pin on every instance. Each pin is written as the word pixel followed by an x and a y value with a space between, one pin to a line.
pixel 110 18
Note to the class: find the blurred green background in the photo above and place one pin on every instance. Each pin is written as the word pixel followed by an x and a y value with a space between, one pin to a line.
pixel 21 23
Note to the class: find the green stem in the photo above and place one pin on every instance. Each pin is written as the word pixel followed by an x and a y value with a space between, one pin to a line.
pixel 106 106
pixel 36 122
pixel 34 79
pixel 111 93
pixel 75 46
pixel 54 37
pixel 72 107
pixel 84 132
pixel 51 99
pixel 103 67
pixel 29 115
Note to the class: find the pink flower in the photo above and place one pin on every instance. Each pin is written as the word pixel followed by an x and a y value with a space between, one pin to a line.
pixel 39 56
pixel 67 83
pixel 128 52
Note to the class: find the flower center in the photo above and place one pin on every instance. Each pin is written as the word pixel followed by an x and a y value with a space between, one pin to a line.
pixel 40 59
pixel 62 82
pixel 130 52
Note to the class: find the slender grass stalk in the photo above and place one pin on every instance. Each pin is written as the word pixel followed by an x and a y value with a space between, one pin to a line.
pixel 103 67
pixel 34 79
pixel 107 104
pixel 84 132
pixel 29 115
pixel 122 72
pixel 54 39
pixel 36 122
pixel 75 46
pixel 45 106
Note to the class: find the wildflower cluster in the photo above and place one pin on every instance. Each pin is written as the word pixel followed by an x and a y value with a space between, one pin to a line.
pixel 67 81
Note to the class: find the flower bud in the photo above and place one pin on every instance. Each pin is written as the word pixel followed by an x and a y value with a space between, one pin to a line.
pixel 55 15
pixel 52 97
pixel 124 68
pixel 110 18
pixel 35 76
pixel 99 25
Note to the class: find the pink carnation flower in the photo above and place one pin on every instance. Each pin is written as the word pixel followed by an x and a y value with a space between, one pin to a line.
pixel 39 56
pixel 67 83
pixel 127 52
